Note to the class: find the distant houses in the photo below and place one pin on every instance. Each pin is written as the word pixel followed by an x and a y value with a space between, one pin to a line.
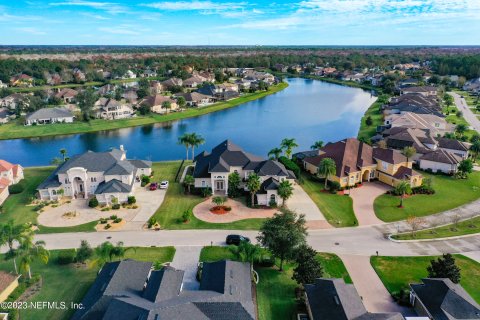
pixel 160 104
pixel 10 174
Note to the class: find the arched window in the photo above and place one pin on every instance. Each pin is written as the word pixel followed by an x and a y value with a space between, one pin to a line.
pixel 273 198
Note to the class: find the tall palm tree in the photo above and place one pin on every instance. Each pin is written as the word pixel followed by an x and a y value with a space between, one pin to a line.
pixel 63 152
pixel 317 145
pixel 275 153
pixel 195 141
pixel 253 185
pixel 184 139
pixel 326 168
pixel 461 128
pixel 285 191
pixel 31 251
pixel 475 149
pixel 9 234
pixel 402 188
pixel 287 145
pixel 409 152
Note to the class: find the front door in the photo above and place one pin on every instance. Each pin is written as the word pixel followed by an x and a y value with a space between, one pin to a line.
pixel 220 185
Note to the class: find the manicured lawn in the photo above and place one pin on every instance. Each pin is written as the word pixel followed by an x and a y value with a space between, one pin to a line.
pixel 337 209
pixel 276 290
pixel 397 273
pixel 367 131
pixel 470 226
pixel 449 193
pixel 70 283
pixel 14 130
pixel 14 208
pixel 169 215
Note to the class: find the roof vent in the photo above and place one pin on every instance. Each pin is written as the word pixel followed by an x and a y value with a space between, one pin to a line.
pixel 231 273
pixel 337 301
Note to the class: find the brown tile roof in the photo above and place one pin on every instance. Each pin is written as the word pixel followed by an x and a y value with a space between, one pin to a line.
pixel 404 172
pixel 349 156
pixel 389 155
pixel 441 156
pixel 5 165
pixel 6 279
pixel 157 100
pixel 453 144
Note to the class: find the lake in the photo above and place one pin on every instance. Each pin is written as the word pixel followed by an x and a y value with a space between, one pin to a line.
pixel 308 110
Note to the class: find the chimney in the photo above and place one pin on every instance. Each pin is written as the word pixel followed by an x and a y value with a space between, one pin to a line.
pixel 124 153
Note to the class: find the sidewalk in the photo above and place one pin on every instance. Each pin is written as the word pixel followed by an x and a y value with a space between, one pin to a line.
pixel 186 259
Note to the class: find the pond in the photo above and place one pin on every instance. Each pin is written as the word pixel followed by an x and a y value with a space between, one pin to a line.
pixel 308 110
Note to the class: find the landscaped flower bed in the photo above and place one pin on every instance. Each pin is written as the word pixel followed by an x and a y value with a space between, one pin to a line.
pixel 220 209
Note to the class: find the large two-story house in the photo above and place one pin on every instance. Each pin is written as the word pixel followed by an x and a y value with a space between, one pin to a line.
pixel 357 162
pixel 212 171
pixel 111 109
pixel 105 175
pixel 9 174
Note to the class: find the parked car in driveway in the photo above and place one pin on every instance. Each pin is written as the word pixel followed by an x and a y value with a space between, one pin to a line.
pixel 153 186
pixel 164 184
pixel 236 239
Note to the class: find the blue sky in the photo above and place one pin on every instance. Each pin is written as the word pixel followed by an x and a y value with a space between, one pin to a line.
pixel 243 22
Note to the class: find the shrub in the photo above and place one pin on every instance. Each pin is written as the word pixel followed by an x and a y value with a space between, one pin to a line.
pixel 272 204
pixel 334 186
pixel 116 206
pixel 106 209
pixel 113 217
pixel 66 256
pixel 108 226
pixel 423 189
pixel 227 208
pixel 103 220
pixel 187 215
pixel 145 180
pixel 132 200
pixel 84 252
pixel 151 222
pixel 16 188
pixel 39 207
pixel 93 202
pixel 206 192
pixel 118 220
pixel 290 165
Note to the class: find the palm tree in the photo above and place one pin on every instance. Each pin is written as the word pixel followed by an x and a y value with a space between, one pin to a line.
pixel 166 105
pixel 475 149
pixel 409 152
pixel 326 168
pixel 9 234
pixel 275 153
pixel 402 188
pixel 285 191
pixel 195 141
pixel 63 152
pixel 119 250
pixel 287 145
pixel 461 128
pixel 103 252
pixel 189 180
pixel 31 251
pixel 317 145
pixel 184 139
pixel 253 185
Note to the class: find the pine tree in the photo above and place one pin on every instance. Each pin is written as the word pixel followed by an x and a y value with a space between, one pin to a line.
pixel 444 267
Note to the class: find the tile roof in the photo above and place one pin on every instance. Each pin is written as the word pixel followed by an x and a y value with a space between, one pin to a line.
pixel 349 156
pixel 48 113
pixel 389 155
pixel 404 173
pixel 441 156
pixel 5 165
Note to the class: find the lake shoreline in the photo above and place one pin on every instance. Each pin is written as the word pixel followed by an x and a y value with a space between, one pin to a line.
pixel 8 132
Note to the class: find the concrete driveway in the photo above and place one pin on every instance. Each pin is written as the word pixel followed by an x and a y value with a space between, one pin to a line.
pixel 363 198
pixel 369 286
pixel 301 203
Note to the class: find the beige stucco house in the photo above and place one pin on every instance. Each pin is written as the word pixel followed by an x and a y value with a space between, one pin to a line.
pixel 111 109
pixel 357 162
pixel 156 103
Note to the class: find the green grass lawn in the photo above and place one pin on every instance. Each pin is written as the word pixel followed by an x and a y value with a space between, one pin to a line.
pixel 337 209
pixel 15 207
pixel 449 193
pixel 398 272
pixel 276 290
pixel 470 226
pixel 367 131
pixel 70 283
pixel 169 215
pixel 15 130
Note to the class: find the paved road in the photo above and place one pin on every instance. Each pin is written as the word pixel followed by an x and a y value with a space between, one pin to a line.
pixel 468 114
pixel 353 241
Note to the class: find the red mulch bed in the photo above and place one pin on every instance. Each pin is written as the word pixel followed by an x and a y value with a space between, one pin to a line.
pixel 220 210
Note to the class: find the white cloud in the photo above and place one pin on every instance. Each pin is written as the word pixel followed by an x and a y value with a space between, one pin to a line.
pixel 94 16
pixel 31 30
pixel 110 7
pixel 196 5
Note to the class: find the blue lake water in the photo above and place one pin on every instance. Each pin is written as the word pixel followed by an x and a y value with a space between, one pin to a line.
pixel 308 110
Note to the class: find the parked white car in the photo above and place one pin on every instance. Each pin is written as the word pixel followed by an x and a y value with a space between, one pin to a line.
pixel 164 185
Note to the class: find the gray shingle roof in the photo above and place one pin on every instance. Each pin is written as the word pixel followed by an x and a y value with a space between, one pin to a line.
pixel 332 299
pixel 93 161
pixel 225 294
pixel 49 113
pixel 445 300
pixel 113 186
